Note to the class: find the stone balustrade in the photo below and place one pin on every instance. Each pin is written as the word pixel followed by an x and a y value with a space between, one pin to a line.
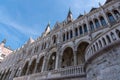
pixel 72 71
pixel 104 40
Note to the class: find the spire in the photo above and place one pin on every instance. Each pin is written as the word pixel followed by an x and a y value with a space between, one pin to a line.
pixel 4 41
pixel 69 17
pixel 47 30
pixel 48 26
pixel 30 40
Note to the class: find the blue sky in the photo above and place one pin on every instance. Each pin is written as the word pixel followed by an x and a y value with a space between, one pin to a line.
pixel 21 19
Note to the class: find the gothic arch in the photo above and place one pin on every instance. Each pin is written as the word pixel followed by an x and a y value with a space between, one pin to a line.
pixel 80 41
pixel 67 57
pixel 24 69
pixel 51 61
pixel 40 64
pixel 71 45
pixel 81 49
pixel 32 66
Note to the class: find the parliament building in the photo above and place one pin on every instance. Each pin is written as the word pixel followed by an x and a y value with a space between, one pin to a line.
pixel 85 48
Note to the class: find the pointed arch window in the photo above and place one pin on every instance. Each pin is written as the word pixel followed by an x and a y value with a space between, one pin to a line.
pixel 91 26
pixel 76 32
pixel 110 17
pixel 102 20
pixel 117 14
pixel 71 34
pixel 64 37
pixel 67 35
pixel 97 24
pixel 80 30
pixel 85 28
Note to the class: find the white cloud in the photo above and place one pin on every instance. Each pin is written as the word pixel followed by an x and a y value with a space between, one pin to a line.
pixel 7 20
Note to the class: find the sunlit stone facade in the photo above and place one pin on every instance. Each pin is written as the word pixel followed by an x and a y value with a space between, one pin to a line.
pixel 87 48
pixel 4 51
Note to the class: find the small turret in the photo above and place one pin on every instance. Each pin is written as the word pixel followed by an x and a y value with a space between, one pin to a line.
pixel 69 17
pixel 30 40
pixel 47 30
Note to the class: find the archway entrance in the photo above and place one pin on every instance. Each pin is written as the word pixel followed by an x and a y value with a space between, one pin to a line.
pixel 67 58
pixel 24 70
pixel 52 61
pixel 40 64
pixel 81 52
pixel 32 67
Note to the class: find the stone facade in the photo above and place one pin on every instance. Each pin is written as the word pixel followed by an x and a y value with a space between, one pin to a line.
pixel 86 48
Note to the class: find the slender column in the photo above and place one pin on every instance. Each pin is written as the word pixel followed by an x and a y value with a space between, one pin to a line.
pixel 95 28
pixel 57 61
pixel 99 22
pixel 87 24
pixel 4 76
pixel 116 36
pixel 35 69
pixel 44 64
pixel 102 43
pixel 111 38
pixel 82 29
pixel 27 72
pixel 75 57
pixel 106 40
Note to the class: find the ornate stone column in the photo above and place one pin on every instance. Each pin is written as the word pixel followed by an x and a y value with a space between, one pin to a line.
pixel 44 64
pixel 57 61
pixel 75 57
pixel 35 69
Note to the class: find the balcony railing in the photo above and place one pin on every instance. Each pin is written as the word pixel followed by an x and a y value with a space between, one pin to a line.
pixel 73 71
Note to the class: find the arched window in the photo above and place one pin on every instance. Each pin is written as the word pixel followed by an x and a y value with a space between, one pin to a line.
pixel 97 23
pixel 80 30
pixel 104 41
pixel 85 28
pixel 71 34
pixel 113 36
pixel 76 32
pixel 118 33
pixel 67 35
pixel 91 26
pixel 100 43
pixel 103 22
pixel 45 45
pixel 110 17
pixel 108 39
pixel 64 37
pixel 54 39
pixel 117 14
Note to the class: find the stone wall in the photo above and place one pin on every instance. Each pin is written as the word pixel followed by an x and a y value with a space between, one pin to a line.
pixel 105 67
